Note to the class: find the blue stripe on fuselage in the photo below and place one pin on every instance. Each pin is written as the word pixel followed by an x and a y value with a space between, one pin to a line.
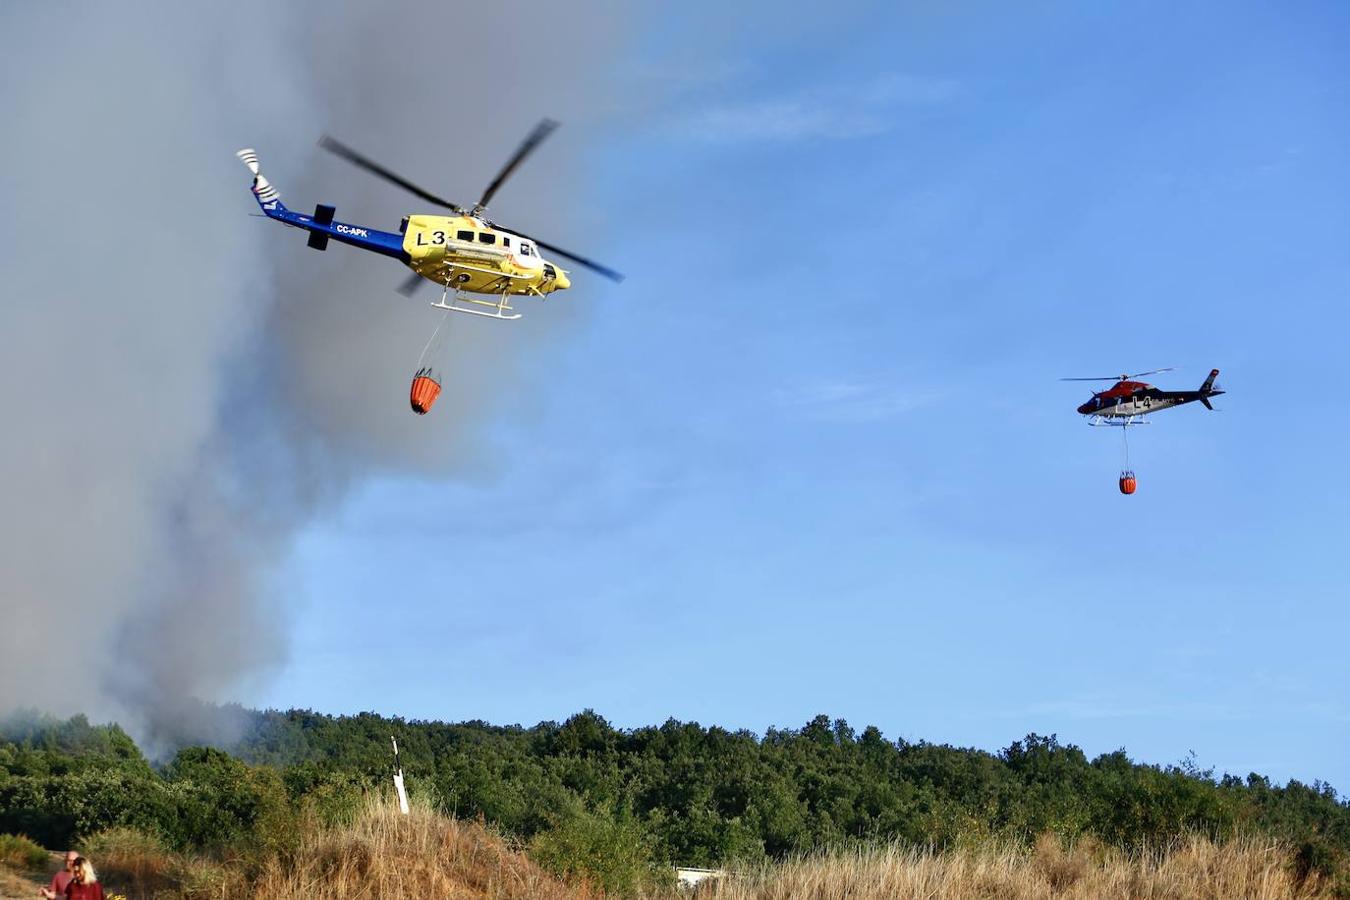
pixel 386 243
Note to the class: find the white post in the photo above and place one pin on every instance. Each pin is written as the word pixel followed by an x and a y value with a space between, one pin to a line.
pixel 398 780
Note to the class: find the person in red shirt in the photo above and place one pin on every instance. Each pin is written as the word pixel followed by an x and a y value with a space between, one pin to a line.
pixel 57 888
pixel 83 883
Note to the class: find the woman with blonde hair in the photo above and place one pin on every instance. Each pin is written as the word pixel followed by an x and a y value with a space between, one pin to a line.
pixel 84 882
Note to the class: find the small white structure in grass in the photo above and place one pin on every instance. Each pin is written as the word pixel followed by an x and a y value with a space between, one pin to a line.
pixel 398 780
pixel 689 877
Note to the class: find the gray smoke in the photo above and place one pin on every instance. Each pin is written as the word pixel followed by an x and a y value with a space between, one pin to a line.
pixel 184 387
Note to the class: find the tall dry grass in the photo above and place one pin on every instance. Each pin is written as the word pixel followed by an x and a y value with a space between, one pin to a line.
pixel 383 854
pixel 380 854
pixel 1194 869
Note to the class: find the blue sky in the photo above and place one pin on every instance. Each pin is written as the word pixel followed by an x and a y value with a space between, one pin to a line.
pixel 813 456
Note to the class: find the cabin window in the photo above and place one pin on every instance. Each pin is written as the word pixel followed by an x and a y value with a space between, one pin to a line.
pixel 486 238
pixel 464 235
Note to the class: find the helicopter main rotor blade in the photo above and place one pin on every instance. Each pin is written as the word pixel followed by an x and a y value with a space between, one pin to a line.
pixel 1122 377
pixel 411 284
pixel 566 254
pixel 336 147
pixel 591 264
pixel 533 140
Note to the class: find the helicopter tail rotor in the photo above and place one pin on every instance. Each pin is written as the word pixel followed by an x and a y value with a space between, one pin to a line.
pixel 249 157
pixel 267 195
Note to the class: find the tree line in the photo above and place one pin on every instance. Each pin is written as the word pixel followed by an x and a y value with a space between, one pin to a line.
pixel 675 793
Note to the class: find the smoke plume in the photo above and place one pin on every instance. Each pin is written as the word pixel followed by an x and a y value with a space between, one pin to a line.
pixel 184 387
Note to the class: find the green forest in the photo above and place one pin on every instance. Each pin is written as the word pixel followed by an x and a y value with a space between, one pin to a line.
pixel 675 793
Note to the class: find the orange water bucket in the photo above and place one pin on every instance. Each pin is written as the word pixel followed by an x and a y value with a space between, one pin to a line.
pixel 425 390
pixel 1127 482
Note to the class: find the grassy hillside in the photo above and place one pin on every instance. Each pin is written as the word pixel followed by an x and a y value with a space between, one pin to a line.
pixel 616 808
pixel 383 854
pixel 379 853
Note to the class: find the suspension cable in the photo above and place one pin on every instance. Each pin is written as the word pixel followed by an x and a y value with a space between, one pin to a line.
pixel 422 358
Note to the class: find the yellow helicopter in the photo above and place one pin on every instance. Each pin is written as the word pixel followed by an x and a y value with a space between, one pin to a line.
pixel 466 254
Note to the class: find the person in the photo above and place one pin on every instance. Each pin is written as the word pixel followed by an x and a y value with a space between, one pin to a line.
pixel 57 888
pixel 83 882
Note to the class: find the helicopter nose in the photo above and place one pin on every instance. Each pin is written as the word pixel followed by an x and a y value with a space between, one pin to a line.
pixel 561 280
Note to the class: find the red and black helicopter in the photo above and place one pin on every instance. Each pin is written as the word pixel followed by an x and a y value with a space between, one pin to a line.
pixel 1127 402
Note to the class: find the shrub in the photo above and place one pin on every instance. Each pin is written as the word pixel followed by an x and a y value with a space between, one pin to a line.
pixel 612 853
pixel 130 857
pixel 1317 860
pixel 18 851
pixel 221 802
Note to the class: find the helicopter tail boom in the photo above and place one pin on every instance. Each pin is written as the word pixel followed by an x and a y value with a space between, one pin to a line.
pixel 321 226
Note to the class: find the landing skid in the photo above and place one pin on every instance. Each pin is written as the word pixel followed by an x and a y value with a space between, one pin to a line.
pixel 493 309
pixel 489 309
pixel 1098 420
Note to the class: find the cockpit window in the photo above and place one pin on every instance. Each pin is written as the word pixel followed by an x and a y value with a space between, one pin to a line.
pixel 526 249
pixel 486 238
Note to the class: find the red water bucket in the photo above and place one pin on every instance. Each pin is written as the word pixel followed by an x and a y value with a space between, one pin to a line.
pixel 1127 482
pixel 425 390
